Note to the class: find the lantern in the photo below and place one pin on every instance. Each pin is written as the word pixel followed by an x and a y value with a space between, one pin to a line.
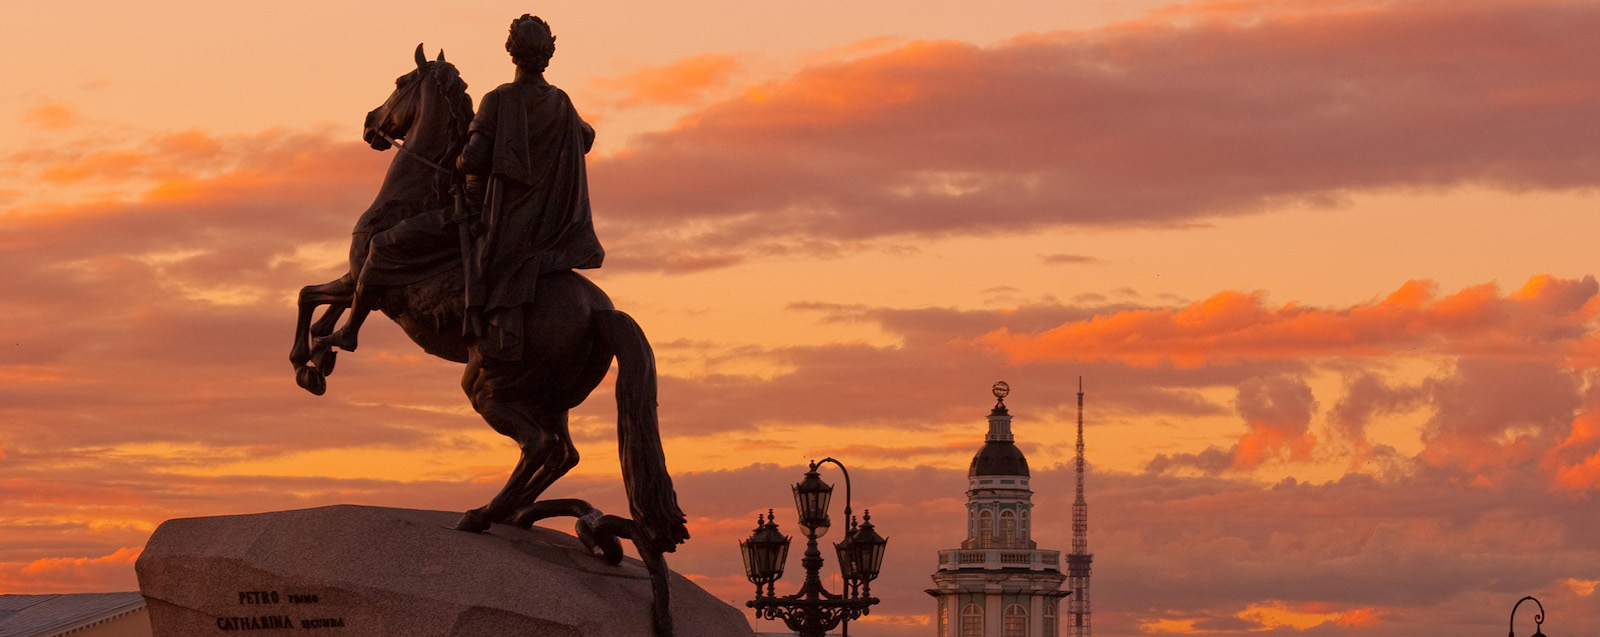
pixel 811 497
pixel 845 548
pixel 862 551
pixel 764 553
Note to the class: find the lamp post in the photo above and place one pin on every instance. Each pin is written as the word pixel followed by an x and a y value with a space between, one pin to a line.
pixel 814 611
pixel 1538 620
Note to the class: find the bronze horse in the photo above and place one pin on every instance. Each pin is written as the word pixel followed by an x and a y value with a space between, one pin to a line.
pixel 572 333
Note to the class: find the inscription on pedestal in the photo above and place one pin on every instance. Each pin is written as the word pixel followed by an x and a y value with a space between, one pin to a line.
pixel 275 619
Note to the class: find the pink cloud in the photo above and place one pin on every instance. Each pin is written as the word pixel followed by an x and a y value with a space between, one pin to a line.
pixel 1154 122
pixel 1160 121
pixel 1278 411
pixel 1366 397
pixel 1494 416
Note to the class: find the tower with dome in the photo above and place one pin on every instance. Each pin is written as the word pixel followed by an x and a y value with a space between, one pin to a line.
pixel 999 583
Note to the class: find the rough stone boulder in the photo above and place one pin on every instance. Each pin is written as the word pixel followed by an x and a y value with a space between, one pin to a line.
pixel 354 571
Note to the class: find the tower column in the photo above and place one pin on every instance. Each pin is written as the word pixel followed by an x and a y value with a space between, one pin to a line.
pixel 1036 614
pixel 993 610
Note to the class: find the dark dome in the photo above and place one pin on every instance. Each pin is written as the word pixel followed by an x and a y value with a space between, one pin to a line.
pixel 998 458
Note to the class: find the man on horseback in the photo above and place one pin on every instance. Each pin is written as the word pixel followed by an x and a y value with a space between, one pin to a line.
pixel 526 182
pixel 524 164
pixel 522 219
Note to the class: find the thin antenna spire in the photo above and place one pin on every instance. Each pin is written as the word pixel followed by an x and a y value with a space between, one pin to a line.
pixel 1080 506
pixel 1079 560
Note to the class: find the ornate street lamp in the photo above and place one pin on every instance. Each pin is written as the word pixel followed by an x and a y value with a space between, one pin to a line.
pixel 814 611
pixel 765 553
pixel 860 556
pixel 1538 620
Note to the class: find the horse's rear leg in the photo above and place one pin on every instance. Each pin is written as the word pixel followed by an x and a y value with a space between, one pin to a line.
pixel 533 468
pixel 503 505
pixel 560 457
pixel 547 450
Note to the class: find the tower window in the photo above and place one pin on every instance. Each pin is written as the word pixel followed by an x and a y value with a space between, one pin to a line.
pixel 1016 621
pixel 1008 529
pixel 1050 623
pixel 972 621
pixel 986 529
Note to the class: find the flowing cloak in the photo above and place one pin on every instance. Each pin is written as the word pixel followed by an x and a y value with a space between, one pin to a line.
pixel 536 206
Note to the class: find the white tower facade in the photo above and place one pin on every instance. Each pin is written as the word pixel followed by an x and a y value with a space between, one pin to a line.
pixel 999 583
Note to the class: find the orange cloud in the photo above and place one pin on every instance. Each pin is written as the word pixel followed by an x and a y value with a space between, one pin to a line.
pixel 906 621
pixel 1274 615
pixel 1359 618
pixel 1167 625
pixel 1547 317
pixel 52 116
pixel 1576 460
pixel 1582 587
pixel 685 82
pixel 124 556
pixel 113 165
pixel 71 575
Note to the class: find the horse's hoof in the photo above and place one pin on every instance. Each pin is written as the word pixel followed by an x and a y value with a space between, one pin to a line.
pixel 473 521
pixel 310 379
pixel 602 545
pixel 522 520
pixel 323 359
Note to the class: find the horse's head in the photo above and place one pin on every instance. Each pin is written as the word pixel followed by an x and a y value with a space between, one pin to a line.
pixel 432 85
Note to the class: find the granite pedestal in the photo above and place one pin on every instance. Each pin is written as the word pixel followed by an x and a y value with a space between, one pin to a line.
pixel 354 571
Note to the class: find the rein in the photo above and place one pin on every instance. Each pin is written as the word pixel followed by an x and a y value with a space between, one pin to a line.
pixel 414 154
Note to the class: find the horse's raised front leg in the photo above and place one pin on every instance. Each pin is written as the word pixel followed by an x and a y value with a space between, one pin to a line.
pixel 323 356
pixel 334 293
pixel 329 320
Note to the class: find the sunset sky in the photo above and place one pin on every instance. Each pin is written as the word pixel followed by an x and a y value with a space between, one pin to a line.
pixel 1326 269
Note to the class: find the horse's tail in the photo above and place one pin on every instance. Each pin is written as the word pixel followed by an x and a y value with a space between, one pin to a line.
pixel 651 498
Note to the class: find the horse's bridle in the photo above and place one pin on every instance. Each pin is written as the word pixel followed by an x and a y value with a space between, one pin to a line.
pixel 413 154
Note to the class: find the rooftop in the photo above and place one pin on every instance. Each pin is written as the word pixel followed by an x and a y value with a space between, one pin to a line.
pixel 48 615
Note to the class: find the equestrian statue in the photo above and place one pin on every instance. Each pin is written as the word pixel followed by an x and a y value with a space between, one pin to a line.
pixel 472 246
